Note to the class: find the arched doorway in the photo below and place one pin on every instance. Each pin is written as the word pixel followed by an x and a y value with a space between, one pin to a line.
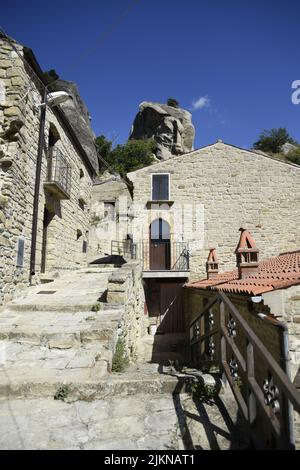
pixel 160 247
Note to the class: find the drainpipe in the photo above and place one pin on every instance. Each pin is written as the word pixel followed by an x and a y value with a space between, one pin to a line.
pixel 37 185
pixel 287 369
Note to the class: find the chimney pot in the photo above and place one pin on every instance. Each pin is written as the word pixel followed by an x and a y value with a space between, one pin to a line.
pixel 212 264
pixel 246 255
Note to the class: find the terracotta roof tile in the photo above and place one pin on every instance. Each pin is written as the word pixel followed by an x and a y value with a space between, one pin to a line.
pixel 274 273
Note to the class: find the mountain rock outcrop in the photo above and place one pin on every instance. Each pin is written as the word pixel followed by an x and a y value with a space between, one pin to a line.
pixel 79 118
pixel 171 128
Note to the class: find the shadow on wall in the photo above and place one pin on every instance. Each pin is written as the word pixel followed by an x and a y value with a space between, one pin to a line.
pixel 115 260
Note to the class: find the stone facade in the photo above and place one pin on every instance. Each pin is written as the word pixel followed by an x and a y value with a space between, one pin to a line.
pixel 21 95
pixel 125 288
pixel 216 190
pixel 109 215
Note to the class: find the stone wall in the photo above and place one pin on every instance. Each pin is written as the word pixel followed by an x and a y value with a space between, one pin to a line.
pixel 19 128
pixel 285 304
pixel 125 288
pixel 215 191
pixel 108 189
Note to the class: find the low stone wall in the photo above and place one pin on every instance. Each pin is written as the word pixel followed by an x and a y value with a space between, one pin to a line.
pixel 125 288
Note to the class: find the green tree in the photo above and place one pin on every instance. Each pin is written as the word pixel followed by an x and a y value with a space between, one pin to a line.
pixel 172 102
pixel 272 140
pixel 104 148
pixel 131 156
pixel 294 155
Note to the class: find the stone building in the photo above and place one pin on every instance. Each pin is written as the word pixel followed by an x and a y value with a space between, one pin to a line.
pixel 110 222
pixel 266 294
pixel 185 205
pixel 69 164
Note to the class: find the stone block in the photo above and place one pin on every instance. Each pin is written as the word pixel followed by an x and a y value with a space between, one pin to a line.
pixel 13 72
pixel 4 64
pixel 17 81
pixel 116 297
pixel 12 111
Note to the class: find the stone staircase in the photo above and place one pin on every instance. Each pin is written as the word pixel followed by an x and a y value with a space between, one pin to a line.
pixel 57 392
pixel 163 348
pixel 52 337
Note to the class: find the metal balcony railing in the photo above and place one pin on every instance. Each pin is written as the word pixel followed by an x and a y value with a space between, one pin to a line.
pixel 58 174
pixel 215 338
pixel 163 255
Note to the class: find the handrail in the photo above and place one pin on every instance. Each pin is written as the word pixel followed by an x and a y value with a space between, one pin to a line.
pixel 207 307
pixel 278 372
pixel 276 396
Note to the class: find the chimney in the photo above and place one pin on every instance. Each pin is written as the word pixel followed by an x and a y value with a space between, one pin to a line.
pixel 212 265
pixel 246 255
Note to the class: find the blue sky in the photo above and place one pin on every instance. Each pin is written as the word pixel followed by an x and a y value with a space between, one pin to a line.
pixel 234 59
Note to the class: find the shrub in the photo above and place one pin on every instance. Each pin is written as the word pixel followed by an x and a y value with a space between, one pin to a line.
pixel 272 140
pixel 172 102
pixel 96 307
pixel 120 360
pixel 202 391
pixel 62 393
pixel 294 155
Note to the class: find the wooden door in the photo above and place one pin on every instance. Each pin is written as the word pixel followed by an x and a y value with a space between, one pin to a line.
pixel 159 237
pixel 171 312
pixel 159 255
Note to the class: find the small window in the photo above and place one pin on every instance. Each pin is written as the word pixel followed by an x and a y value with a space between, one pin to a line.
pixel 109 210
pixel 81 174
pixel 20 253
pixel 81 203
pixel 160 188
pixel 78 234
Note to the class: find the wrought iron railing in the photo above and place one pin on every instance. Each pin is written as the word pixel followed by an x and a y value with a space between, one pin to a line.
pixel 213 339
pixel 122 248
pixel 174 255
pixel 59 170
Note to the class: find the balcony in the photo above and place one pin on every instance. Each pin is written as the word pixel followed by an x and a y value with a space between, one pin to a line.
pixel 58 181
pixel 163 259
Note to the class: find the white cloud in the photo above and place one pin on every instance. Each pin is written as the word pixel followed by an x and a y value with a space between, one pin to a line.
pixel 200 103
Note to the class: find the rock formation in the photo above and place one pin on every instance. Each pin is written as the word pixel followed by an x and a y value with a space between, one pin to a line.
pixel 170 127
pixel 79 118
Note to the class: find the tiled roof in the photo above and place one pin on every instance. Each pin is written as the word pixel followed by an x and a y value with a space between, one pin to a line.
pixel 279 272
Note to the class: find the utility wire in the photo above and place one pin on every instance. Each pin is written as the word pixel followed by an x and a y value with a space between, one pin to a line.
pixel 112 27
pixel 104 35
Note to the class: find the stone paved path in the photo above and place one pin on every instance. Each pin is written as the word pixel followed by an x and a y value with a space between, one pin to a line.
pixel 53 342
pixel 154 421
pixel 137 409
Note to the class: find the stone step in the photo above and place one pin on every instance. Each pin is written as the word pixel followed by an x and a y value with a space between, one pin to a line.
pixel 59 307
pixel 30 370
pixel 83 384
pixel 163 348
pixel 59 330
pixel 164 358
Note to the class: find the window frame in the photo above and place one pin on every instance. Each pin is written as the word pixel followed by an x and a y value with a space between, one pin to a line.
pixel 169 185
